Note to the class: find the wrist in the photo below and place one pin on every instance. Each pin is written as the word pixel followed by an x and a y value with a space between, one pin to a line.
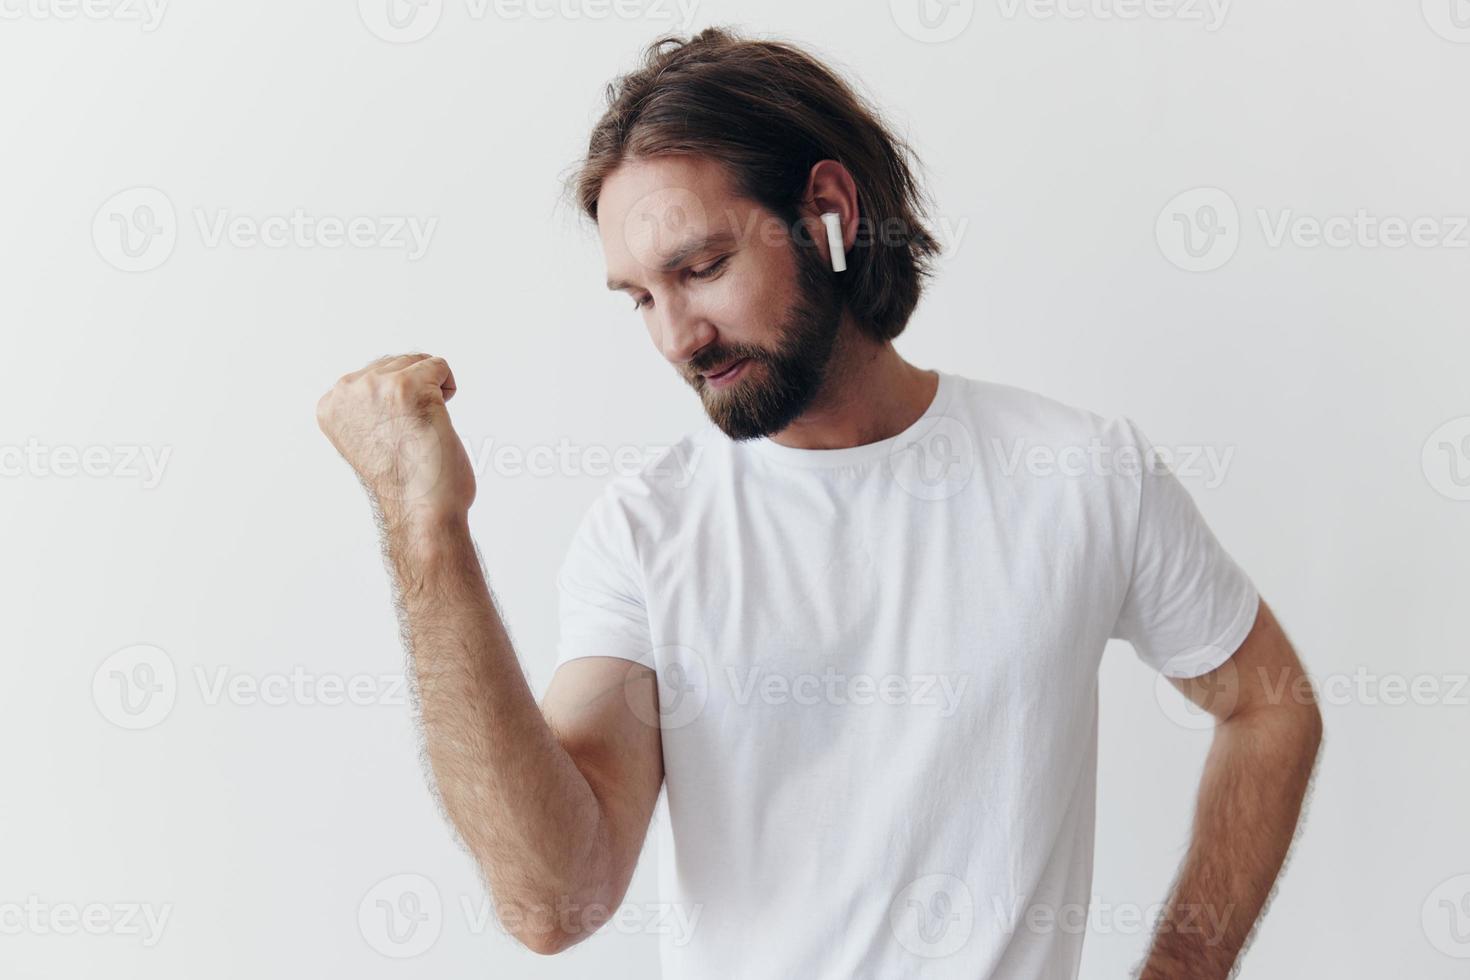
pixel 423 532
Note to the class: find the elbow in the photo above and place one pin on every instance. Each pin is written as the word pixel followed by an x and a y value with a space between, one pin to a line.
pixel 1308 719
pixel 549 940
pixel 547 943
pixel 1301 736
pixel 549 927
pixel 1314 731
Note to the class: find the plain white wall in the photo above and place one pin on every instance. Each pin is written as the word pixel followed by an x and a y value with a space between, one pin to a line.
pixel 1058 137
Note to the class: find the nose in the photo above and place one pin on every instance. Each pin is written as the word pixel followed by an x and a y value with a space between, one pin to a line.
pixel 682 329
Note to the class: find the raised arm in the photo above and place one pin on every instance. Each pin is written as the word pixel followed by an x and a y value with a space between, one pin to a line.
pixel 553 801
pixel 1265 746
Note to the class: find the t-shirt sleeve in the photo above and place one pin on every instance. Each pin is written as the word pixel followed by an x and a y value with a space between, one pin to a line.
pixel 1188 606
pixel 600 590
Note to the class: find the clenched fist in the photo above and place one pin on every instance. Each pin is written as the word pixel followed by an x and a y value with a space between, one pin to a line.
pixel 389 421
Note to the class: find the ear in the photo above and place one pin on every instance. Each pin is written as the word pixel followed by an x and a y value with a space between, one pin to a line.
pixel 830 189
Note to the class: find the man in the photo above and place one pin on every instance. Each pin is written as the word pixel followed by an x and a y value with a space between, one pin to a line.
pixel 857 641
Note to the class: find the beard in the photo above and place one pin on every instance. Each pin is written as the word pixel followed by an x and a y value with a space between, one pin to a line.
pixel 778 384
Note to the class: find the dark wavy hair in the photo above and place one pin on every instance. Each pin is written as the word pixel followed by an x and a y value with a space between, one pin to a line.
pixel 768 112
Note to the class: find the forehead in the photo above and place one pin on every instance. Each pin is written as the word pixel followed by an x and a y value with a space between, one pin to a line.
pixel 649 208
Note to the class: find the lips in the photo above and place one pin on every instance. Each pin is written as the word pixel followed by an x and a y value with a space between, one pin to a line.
pixel 725 371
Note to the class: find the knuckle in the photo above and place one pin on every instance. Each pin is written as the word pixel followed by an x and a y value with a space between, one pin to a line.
pixel 324 407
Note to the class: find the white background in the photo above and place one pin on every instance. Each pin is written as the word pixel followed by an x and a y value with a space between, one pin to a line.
pixel 1056 142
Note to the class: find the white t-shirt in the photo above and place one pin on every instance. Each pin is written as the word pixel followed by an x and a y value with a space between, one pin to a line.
pixel 878 675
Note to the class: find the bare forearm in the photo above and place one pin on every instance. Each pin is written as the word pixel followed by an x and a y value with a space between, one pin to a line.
pixel 1250 800
pixel 518 800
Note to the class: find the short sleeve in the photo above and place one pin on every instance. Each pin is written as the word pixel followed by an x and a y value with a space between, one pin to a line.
pixel 1188 605
pixel 600 591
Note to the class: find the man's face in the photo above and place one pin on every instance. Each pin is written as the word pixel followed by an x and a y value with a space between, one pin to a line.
pixel 720 285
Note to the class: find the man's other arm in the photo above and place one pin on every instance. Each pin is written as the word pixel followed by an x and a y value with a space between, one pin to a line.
pixel 1268 730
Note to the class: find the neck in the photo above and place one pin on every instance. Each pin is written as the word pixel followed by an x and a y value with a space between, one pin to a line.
pixel 870 393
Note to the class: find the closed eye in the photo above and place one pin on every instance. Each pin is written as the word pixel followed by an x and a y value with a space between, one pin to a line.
pixel 712 270
pixel 708 272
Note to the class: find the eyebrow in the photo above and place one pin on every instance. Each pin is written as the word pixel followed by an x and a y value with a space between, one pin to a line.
pixel 681 255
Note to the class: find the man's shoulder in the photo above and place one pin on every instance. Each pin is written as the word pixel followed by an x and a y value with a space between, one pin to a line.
pixel 995 410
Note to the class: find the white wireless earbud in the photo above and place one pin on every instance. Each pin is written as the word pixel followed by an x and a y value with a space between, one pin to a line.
pixel 833 221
